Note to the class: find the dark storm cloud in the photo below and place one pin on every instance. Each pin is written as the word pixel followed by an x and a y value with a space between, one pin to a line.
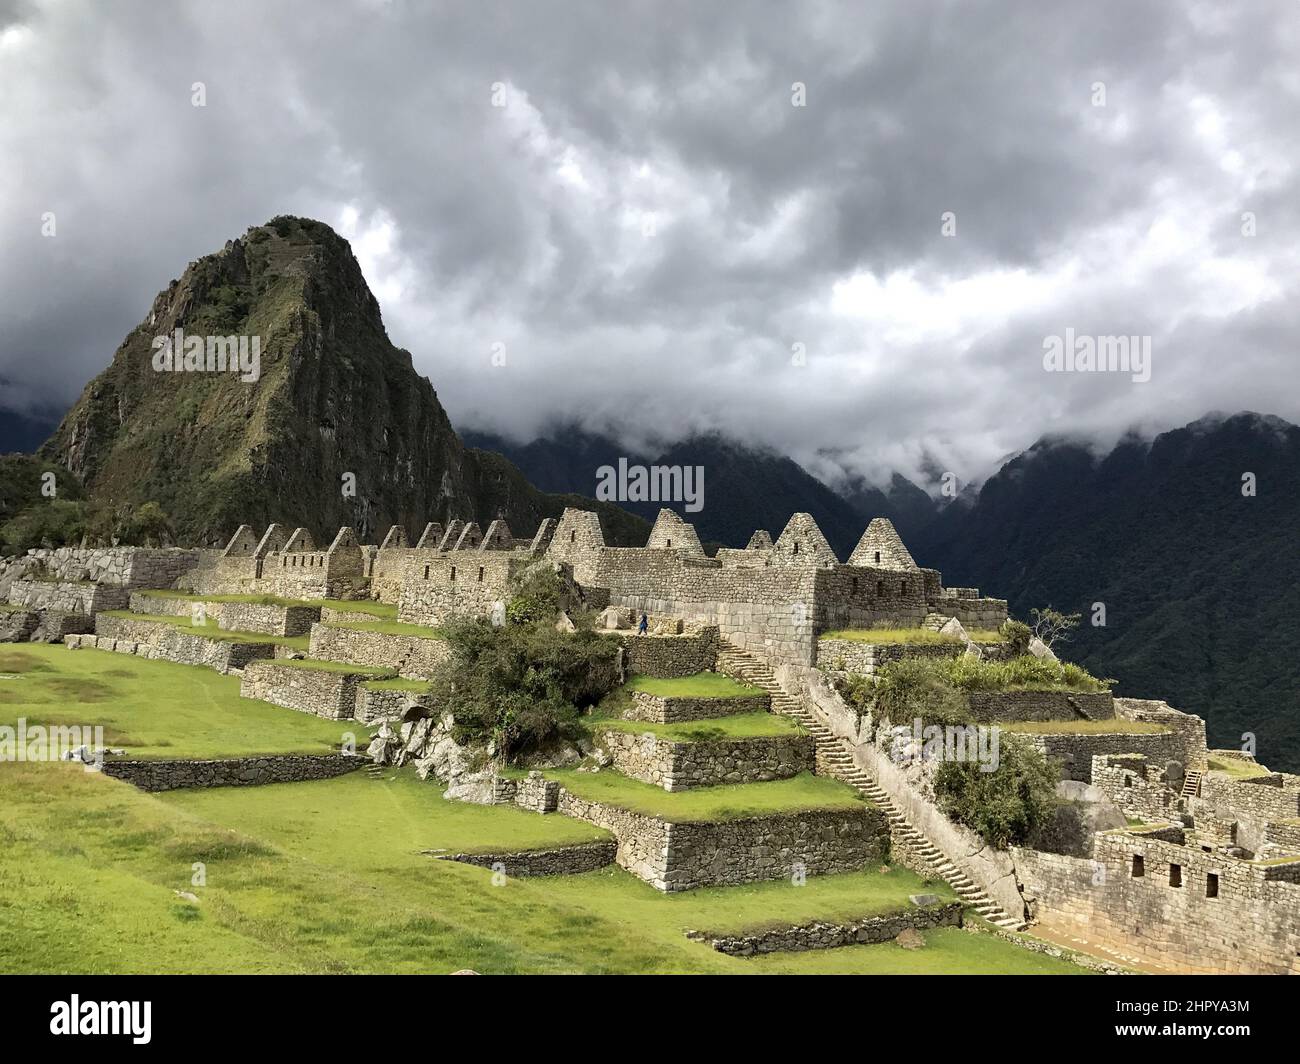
pixel 653 231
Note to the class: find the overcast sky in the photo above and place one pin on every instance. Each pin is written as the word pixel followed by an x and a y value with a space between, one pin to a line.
pixel 652 225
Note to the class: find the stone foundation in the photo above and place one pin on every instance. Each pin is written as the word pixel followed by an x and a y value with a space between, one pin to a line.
pixel 1075 751
pixel 863 659
pixel 268 620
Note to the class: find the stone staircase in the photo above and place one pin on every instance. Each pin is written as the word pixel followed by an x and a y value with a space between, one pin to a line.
pixel 1192 783
pixel 835 758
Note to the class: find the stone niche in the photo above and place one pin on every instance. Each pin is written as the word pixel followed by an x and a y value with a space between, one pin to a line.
pixel 679 766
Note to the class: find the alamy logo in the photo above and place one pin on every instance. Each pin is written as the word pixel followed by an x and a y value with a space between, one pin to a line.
pixel 638 483
pixel 179 353
pixel 134 1018
pixel 1098 354
pixel 975 743
pixel 64 742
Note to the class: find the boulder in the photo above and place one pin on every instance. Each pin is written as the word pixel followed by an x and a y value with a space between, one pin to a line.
pixel 954 628
pixel 1040 649
pixel 910 938
pixel 477 787
pixel 923 899
pixel 564 623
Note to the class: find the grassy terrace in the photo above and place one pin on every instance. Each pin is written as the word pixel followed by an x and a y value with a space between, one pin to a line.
pixel 152 709
pixel 378 672
pixel 740 726
pixel 701 685
pixel 387 628
pixel 211 631
pixel 1230 766
pixel 397 684
pixel 883 636
pixel 1085 727
pixel 330 877
pixel 730 802
pixel 380 610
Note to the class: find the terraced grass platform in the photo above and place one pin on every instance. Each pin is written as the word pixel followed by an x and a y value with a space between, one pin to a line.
pixel 741 726
pixel 896 636
pixel 209 630
pixel 152 709
pixel 802 792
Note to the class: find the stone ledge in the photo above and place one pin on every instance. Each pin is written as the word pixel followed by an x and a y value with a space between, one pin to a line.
pixel 172 775
pixel 660 709
pixel 557 861
pixel 799 938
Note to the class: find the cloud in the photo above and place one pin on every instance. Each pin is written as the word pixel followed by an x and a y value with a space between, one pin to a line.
pixel 656 237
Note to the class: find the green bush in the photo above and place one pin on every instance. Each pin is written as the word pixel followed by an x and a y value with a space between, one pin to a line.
pixel 522 686
pixel 1017 634
pixel 1007 806
pixel 914 687
pixel 539 596
pixel 49 523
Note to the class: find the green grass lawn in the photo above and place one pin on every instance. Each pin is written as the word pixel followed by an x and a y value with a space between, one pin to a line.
pixel 152 708
pixel 729 802
pixel 332 876
pixel 1085 727
pixel 388 628
pixel 701 685
pixel 910 635
pixel 212 631
pixel 329 877
pixel 740 726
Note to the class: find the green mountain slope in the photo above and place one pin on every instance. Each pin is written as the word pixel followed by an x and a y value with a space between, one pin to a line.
pixel 336 403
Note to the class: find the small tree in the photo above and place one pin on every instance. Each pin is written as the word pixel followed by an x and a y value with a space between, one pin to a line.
pixel 1051 626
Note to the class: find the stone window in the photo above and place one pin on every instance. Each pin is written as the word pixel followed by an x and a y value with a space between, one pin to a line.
pixel 1175 875
pixel 1128 780
pixel 902 588
pixel 796 546
pixel 1211 885
pixel 453 573
pixel 426 572
pixel 880 589
pixel 877 557
pixel 480 574
pixel 670 542
pixel 855 585
pixel 1139 866
pixel 573 536
pixel 284 561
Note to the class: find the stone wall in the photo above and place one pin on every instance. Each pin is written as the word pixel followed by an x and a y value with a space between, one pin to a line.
pixel 267 619
pixel 378 705
pixel 415 657
pixel 657 709
pixel 682 856
pixel 17 625
pixel 863 659
pixel 558 861
pixel 668 656
pixel 1135 786
pixel 1075 751
pixel 1190 729
pixel 987 707
pixel 1258 798
pixel 231 772
pixel 129 567
pixel 464 583
pixel 67 596
pixel 323 692
pixel 170 643
pixel 538 794
pixel 1174 906
pixel 679 766
pixel 822 935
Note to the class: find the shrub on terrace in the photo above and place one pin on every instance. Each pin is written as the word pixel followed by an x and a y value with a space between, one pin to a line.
pixel 1006 807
